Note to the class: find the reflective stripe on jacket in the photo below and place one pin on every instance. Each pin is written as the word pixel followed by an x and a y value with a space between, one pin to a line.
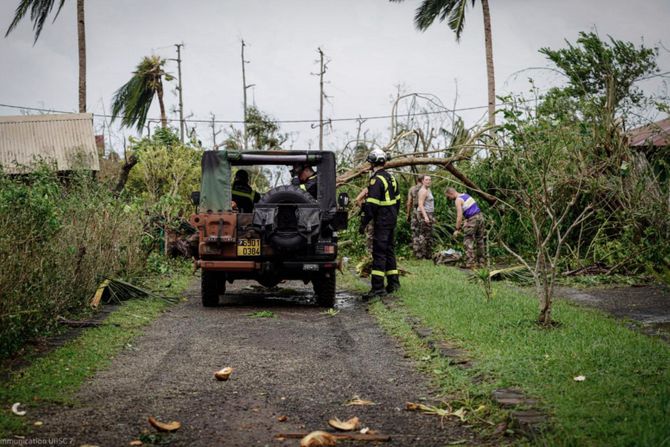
pixel 383 200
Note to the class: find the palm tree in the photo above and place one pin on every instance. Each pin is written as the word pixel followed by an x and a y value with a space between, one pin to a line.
pixel 453 11
pixel 133 100
pixel 39 11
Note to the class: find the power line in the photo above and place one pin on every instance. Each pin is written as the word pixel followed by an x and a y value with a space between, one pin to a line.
pixel 310 121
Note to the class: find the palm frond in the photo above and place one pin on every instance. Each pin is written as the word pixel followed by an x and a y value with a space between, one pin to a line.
pixel 39 11
pixel 457 18
pixel 133 100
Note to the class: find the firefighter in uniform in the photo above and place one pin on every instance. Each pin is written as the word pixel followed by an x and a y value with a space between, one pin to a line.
pixel 381 207
pixel 306 177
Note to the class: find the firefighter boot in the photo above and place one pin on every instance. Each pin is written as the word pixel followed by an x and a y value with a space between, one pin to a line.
pixel 393 283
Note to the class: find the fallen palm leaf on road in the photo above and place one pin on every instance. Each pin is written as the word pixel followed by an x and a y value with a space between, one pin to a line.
pixel 442 412
pixel 162 426
pixel 370 437
pixel 351 424
pixel 223 374
pixel 317 439
pixel 358 401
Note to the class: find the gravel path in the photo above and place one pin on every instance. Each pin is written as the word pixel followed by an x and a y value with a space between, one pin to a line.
pixel 302 364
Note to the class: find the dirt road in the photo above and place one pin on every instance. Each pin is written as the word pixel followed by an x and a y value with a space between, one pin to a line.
pixel 302 364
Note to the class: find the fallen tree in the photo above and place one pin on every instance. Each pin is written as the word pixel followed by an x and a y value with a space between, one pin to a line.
pixel 412 160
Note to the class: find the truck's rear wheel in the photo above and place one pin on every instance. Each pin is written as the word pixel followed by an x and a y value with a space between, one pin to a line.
pixel 324 289
pixel 212 285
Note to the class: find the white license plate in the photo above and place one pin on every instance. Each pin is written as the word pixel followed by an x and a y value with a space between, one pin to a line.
pixel 311 267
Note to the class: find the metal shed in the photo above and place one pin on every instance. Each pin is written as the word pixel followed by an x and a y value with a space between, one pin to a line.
pixel 66 141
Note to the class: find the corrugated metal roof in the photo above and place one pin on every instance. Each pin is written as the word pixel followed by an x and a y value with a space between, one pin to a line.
pixel 66 140
pixel 656 134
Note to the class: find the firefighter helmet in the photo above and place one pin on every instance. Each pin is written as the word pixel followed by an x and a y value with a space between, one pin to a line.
pixel 376 157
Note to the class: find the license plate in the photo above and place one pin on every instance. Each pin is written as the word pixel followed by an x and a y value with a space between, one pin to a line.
pixel 249 247
pixel 311 267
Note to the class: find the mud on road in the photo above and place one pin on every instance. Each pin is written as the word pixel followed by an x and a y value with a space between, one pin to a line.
pixel 302 364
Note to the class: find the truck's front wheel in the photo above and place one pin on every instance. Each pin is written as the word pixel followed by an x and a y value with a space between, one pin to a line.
pixel 212 285
pixel 324 289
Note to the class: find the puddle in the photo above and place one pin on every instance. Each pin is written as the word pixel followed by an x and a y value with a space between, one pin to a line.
pixel 346 300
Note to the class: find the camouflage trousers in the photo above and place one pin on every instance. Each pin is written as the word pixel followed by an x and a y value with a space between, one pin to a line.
pixel 474 232
pixel 369 233
pixel 422 236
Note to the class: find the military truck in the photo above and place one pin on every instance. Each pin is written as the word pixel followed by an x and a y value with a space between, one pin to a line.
pixel 289 234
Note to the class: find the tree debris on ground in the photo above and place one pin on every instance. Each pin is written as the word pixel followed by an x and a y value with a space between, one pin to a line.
pixel 356 400
pixel 369 437
pixel 349 425
pixel 116 291
pixel 432 410
pixel 163 426
pixel 223 374
pixel 317 439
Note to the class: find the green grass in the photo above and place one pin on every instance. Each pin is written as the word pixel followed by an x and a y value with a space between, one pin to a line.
pixel 625 399
pixel 55 377
pixel 262 314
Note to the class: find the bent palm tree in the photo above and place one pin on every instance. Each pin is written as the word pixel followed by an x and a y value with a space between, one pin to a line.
pixel 39 11
pixel 133 100
pixel 453 11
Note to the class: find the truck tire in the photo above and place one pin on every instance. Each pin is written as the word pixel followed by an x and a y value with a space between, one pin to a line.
pixel 286 237
pixel 212 284
pixel 324 289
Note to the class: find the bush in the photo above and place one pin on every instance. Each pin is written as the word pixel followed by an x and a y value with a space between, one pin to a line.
pixel 58 238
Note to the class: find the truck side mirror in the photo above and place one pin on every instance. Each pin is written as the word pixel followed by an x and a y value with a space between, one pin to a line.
pixel 195 198
pixel 343 200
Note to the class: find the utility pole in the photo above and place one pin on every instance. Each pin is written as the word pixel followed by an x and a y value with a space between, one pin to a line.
pixel 321 72
pixel 181 100
pixel 244 91
pixel 323 67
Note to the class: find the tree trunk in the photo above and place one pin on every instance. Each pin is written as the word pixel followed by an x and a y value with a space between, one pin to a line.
pixel 81 38
pixel 161 104
pixel 489 62
pixel 125 172
pixel 545 294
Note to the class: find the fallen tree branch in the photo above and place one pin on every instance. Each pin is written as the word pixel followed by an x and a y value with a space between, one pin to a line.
pixel 340 436
pixel 397 163
pixel 409 160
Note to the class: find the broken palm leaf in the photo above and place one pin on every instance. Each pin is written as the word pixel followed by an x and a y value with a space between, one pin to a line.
pixel 162 426
pixel 442 412
pixel 358 401
pixel 317 439
pixel 509 272
pixel 349 425
pixel 97 297
pixel 116 291
pixel 224 373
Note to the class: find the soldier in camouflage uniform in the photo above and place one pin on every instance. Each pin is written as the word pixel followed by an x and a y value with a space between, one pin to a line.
pixel 474 228
pixel 411 208
pixel 426 220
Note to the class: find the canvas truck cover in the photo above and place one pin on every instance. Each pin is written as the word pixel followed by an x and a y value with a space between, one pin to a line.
pixel 215 190
pixel 215 194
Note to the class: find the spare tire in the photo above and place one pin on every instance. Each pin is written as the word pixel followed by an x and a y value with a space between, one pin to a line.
pixel 286 236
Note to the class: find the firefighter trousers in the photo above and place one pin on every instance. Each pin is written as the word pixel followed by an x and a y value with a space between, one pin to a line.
pixel 383 258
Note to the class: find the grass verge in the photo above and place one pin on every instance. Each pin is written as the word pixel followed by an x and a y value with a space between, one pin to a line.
pixel 625 399
pixel 55 377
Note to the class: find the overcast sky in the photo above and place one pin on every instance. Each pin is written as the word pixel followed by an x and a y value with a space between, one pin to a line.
pixel 372 44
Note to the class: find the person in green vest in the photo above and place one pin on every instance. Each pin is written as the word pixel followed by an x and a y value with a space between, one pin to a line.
pixel 243 195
